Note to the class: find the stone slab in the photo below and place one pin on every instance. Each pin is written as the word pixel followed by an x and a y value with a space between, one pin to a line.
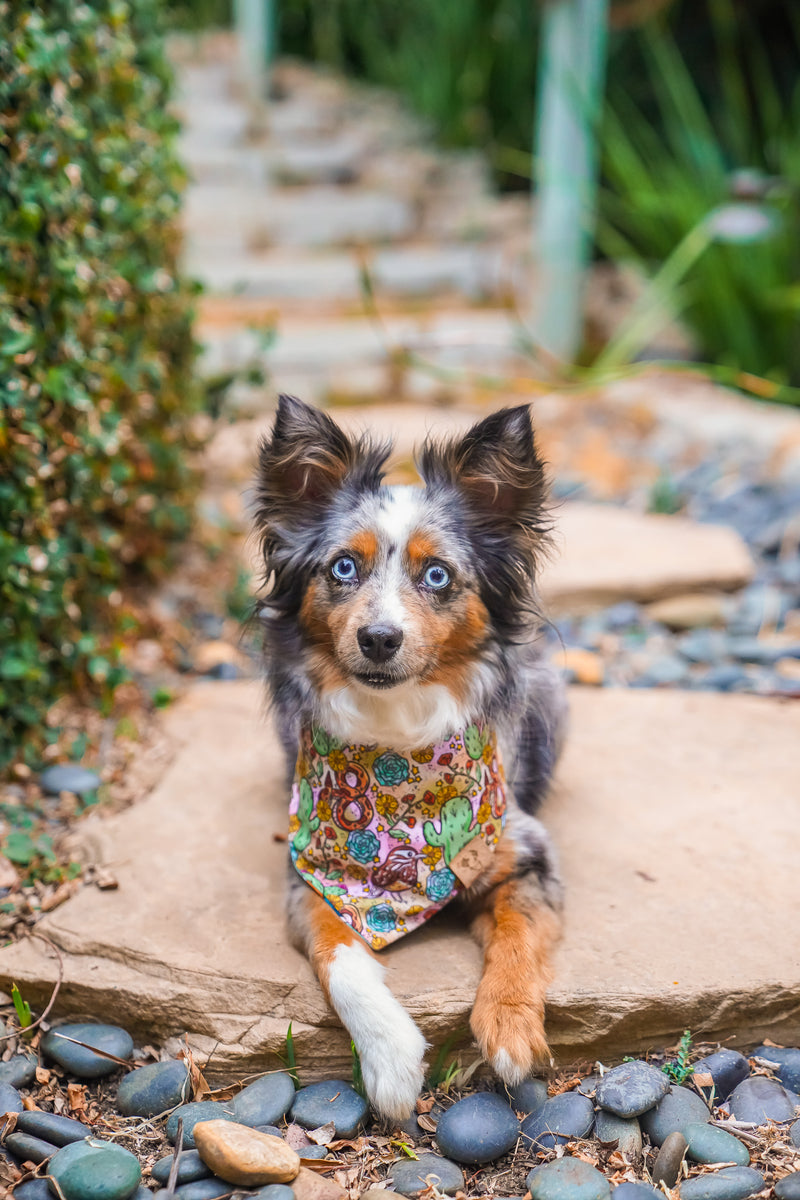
pixel 676 818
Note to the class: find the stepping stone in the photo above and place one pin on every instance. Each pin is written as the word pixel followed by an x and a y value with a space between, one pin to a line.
pixel 625 966
pixel 409 1177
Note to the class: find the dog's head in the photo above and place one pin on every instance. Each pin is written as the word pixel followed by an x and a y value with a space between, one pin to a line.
pixel 376 586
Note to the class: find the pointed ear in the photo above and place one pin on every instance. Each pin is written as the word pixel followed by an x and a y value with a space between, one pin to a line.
pixel 306 460
pixel 495 467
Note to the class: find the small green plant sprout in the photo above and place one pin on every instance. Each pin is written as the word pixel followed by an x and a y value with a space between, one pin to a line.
pixel 678 1071
pixel 288 1057
pixel 23 1009
pixel 357 1074
pixel 404 1148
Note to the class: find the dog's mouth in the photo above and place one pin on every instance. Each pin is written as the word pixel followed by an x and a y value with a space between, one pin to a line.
pixel 374 679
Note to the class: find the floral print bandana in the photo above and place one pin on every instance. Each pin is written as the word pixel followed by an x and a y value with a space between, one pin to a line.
pixel 387 838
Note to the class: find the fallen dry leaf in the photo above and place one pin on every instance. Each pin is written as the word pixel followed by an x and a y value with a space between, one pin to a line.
pixel 324 1135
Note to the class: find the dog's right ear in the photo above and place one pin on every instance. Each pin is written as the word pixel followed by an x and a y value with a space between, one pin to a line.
pixel 305 461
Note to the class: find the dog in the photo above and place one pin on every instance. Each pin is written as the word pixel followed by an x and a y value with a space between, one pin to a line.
pixel 420 720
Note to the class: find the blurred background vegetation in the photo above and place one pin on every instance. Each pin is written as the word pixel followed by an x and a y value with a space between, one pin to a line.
pixel 698 136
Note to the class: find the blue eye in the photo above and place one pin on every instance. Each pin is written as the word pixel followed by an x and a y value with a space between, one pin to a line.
pixel 344 569
pixel 436 577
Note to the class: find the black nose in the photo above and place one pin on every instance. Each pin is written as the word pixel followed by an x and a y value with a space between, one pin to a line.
pixel 379 643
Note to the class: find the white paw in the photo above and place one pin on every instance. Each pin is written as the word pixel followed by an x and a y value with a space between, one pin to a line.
pixel 507 1069
pixel 390 1046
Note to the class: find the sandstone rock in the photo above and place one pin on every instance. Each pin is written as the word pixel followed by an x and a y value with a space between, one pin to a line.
pixel 690 611
pixel 308 1185
pixel 241 1155
pixel 610 554
pixel 651 785
pixel 582 666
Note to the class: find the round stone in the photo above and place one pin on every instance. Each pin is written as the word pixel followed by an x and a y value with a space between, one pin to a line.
pixel 61 1131
pixel 759 1099
pixel 34 1189
pixel 731 1183
pixel 151 1090
pixel 19 1071
pixel 562 1118
pixel 477 1129
pixel 265 1101
pixel 787 1188
pixel 588 1086
pixel 667 1166
pixel 68 777
pixel 333 1100
pixel 529 1096
pixel 794 1134
pixel 280 1191
pixel 191 1114
pixel 313 1151
pixel 273 1129
pixel 727 1068
pixel 631 1089
pixel 190 1168
pixel 709 1144
pixel 636 1191
pixel 567 1179
pixel 679 1108
pixel 203 1189
pixel 787 1058
pixel 10 1099
pixel 243 1155
pixel 27 1148
pixel 77 1059
pixel 409 1177
pixel 625 1131
pixel 95 1170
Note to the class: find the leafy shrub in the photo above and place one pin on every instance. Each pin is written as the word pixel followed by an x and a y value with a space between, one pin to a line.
pixel 95 343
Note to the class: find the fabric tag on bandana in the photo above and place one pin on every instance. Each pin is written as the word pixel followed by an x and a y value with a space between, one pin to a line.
pixel 389 838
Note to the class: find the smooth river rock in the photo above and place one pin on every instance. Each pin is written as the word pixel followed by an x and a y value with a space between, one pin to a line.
pixel 636 1191
pixel 61 1131
pixel 631 1089
pixel 244 1156
pixel 10 1099
pixel 333 1100
pixel 567 1179
pixel 667 1166
pixel 409 1176
pixel 679 1108
pixel 788 1188
pixel 787 1058
pixel 27 1148
pixel 95 1170
pixel 265 1101
pixel 19 1071
pixel 726 1067
pixel 191 1114
pixel 68 777
pixel 710 1144
pixel 477 1129
pixel 562 1118
pixel 625 1131
pixel 731 1183
pixel 528 1096
pixel 190 1168
pixel 153 1089
pixel 79 1060
pixel 760 1099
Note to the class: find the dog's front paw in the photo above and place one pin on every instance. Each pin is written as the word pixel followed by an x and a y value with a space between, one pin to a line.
pixel 392 1069
pixel 509 1030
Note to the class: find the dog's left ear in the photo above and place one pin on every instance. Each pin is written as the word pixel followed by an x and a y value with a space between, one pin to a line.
pixel 496 468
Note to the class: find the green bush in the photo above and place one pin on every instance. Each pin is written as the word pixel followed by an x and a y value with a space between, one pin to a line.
pixel 96 349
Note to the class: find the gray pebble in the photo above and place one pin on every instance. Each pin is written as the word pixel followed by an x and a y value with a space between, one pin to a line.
pixel 710 1144
pixel 275 1191
pixel 722 678
pixel 667 1166
pixel 10 1099
pixel 19 1071
pixel 731 1183
pixel 477 1129
pixel 205 1189
pixel 95 1170
pixel 588 1086
pixel 679 1108
pixel 527 1097
pixel 787 1188
pixel 562 1118
pixel 190 1168
pixel 34 1189
pixel 625 1131
pixel 313 1151
pixel 151 1090
pixel 567 1179
pixel 334 1100
pixel 80 1061
pixel 272 1130
pixel 794 1134
pixel 788 1060
pixel 631 1089
pixel 27 1148
pixel 410 1127
pixel 727 1068
pixel 61 1131
pixel 191 1114
pixel 636 1191
pixel 703 646
pixel 68 777
pixel 760 1099
pixel 265 1101
pixel 409 1176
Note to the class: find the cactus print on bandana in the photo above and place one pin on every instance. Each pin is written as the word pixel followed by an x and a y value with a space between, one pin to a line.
pixel 379 833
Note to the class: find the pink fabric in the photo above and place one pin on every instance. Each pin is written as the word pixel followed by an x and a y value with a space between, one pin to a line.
pixel 389 838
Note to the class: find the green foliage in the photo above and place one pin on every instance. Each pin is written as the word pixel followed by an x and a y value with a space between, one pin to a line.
pixel 23 1009
pixel 702 188
pixel 678 1071
pixel 440 1073
pixel 356 1072
pixel 288 1058
pixel 96 352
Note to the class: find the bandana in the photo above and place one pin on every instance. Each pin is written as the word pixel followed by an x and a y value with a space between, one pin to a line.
pixel 387 838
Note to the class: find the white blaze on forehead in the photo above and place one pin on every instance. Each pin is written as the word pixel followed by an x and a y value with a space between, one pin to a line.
pixel 400 513
pixel 396 521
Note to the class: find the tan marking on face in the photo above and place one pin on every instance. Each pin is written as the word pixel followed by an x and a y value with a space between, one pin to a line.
pixel 420 548
pixel 365 545
pixel 457 631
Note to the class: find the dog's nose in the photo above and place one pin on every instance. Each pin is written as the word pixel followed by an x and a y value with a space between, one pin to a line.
pixel 379 643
